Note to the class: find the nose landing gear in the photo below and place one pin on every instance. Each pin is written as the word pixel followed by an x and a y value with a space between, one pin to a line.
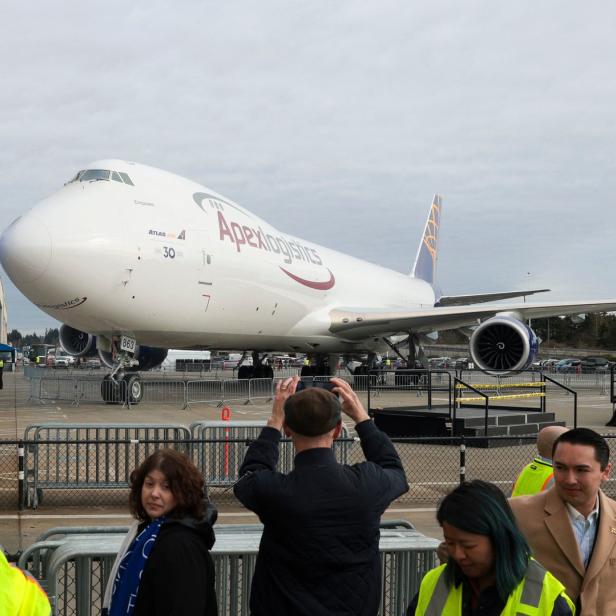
pixel 123 385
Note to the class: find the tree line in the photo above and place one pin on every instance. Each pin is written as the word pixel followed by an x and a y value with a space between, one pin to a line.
pixel 595 331
pixel 16 339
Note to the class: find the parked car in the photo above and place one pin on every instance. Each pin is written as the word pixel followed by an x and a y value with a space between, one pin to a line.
pixel 592 364
pixel 439 363
pixel 63 361
pixel 91 363
pixel 547 365
pixel 461 363
pixel 568 365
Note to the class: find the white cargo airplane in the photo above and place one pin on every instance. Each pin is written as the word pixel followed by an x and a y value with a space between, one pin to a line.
pixel 135 260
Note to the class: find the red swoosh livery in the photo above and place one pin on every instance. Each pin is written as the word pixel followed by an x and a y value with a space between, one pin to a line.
pixel 313 284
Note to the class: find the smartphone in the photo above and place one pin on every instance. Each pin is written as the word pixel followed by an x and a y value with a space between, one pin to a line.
pixel 327 385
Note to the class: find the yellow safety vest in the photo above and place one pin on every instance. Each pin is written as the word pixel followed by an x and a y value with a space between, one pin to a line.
pixel 20 594
pixel 534 478
pixel 533 596
pixel 1 364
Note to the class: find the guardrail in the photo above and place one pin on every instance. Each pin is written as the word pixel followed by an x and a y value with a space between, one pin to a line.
pixel 74 569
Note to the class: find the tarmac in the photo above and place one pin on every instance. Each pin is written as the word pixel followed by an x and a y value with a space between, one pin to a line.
pixel 18 529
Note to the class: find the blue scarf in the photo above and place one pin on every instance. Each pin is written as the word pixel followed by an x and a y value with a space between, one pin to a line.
pixel 126 583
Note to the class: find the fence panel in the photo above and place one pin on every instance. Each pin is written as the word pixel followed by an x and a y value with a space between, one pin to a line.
pixel 222 447
pixel 163 391
pixel 260 389
pixel 206 391
pixel 77 568
pixel 90 456
pixel 9 474
pixel 236 390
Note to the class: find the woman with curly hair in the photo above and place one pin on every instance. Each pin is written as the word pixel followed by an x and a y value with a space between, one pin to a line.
pixel 164 565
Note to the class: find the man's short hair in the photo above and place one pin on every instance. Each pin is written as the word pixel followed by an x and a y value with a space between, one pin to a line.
pixel 585 436
pixel 312 412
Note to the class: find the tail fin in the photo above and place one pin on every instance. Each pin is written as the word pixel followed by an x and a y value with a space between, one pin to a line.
pixel 427 253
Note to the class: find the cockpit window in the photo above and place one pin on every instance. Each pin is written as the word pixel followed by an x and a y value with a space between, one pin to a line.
pixel 126 179
pixel 94 174
pixel 90 175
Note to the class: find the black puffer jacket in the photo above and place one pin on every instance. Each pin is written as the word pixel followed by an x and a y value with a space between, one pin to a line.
pixel 178 578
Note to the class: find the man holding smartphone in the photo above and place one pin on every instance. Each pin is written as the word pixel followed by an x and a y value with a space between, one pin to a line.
pixel 319 552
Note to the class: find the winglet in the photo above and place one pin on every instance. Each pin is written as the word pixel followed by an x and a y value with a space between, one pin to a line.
pixel 427 253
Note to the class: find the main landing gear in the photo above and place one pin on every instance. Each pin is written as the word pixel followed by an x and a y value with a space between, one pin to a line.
pixel 258 370
pixel 123 385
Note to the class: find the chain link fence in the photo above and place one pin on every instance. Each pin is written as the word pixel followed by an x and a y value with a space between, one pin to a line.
pixel 91 466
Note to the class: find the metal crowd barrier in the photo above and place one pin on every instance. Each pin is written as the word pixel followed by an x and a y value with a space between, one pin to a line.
pixel 220 456
pixel 209 391
pixel 76 568
pixel 55 457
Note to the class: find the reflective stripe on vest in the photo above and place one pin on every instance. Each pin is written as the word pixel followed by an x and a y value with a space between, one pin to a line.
pixel 534 478
pixel 533 596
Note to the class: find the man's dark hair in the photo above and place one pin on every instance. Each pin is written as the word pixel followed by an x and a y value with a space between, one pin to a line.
pixel 312 412
pixel 185 482
pixel 585 436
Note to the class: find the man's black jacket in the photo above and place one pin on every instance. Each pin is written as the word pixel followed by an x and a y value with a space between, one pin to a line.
pixel 319 553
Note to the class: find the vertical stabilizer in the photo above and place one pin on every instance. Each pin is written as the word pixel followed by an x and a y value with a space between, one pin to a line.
pixel 427 254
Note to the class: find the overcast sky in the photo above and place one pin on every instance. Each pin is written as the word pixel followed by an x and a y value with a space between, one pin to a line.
pixel 337 122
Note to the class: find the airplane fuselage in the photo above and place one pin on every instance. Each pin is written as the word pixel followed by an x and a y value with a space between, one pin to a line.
pixel 176 265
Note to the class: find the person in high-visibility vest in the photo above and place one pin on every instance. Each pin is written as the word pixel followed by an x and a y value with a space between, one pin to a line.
pixel 490 569
pixel 539 474
pixel 20 594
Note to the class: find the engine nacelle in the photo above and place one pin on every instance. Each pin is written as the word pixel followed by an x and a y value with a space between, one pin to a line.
pixel 503 344
pixel 148 357
pixel 76 342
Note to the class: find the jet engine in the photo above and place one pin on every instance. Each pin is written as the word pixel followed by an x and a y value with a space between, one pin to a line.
pixel 503 344
pixel 148 357
pixel 76 342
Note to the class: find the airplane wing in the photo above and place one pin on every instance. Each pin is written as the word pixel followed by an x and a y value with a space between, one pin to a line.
pixel 356 323
pixel 460 300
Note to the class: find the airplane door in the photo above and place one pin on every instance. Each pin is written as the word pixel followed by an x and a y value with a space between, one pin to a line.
pixel 206 268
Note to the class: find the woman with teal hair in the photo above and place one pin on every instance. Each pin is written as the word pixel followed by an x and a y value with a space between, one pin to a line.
pixel 490 570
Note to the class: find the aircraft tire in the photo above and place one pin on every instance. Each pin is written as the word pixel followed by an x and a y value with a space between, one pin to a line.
pixel 263 372
pixel 133 388
pixel 245 372
pixel 110 390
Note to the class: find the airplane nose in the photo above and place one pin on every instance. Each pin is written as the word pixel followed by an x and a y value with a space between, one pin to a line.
pixel 25 249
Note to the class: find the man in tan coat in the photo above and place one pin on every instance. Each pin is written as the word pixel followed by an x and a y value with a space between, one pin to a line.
pixel 571 528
